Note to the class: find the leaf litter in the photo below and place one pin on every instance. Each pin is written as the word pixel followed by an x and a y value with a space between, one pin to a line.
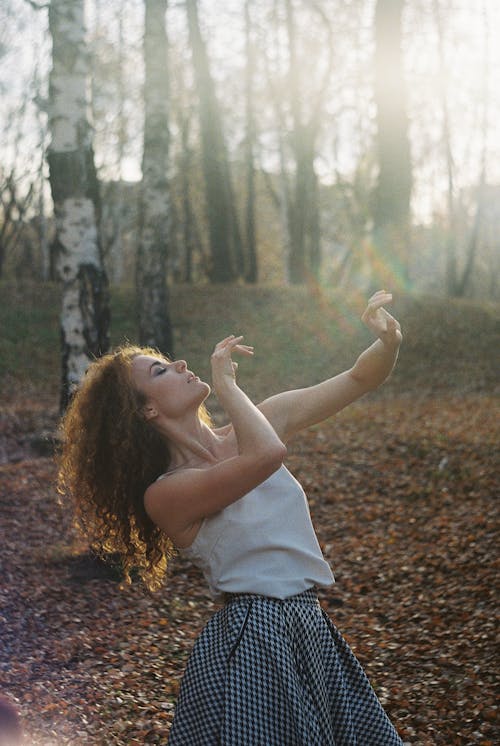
pixel 403 494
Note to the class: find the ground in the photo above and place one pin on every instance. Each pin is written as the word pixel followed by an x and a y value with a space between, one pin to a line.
pixel 403 489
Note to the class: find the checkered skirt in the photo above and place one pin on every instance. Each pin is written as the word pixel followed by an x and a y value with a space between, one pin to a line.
pixel 266 672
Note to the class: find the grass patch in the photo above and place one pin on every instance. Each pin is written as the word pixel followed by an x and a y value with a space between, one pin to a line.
pixel 301 335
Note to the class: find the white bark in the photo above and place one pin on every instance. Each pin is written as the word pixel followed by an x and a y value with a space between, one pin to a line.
pixel 84 315
pixel 77 233
pixel 70 95
pixel 72 326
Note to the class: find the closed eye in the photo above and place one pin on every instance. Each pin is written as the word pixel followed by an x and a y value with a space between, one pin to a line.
pixel 157 369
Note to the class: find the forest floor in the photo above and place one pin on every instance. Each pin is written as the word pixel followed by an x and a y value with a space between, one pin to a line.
pixel 403 489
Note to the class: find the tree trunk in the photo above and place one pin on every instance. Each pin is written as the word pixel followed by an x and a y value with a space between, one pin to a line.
pixel 115 248
pixel 391 208
pixel 192 259
pixel 313 247
pixel 42 234
pixel 285 201
pixel 8 204
pixel 152 296
pixel 451 242
pixel 225 239
pixel 297 215
pixel 85 300
pixel 251 271
pixel 472 246
pixel 41 223
pixel 303 215
pixel 188 216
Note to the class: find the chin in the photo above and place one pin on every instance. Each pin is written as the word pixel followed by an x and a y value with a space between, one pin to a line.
pixel 206 387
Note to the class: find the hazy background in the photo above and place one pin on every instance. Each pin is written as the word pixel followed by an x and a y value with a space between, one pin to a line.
pixel 450 66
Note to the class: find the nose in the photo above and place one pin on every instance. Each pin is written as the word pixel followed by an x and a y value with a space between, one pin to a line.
pixel 180 366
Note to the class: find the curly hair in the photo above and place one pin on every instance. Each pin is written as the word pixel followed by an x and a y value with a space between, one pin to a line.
pixel 109 456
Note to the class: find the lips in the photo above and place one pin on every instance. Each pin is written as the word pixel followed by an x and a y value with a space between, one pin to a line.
pixel 191 377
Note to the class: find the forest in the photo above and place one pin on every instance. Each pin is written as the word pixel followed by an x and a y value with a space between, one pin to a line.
pixel 173 171
pixel 349 144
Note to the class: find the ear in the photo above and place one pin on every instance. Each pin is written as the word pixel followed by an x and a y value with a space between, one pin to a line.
pixel 149 412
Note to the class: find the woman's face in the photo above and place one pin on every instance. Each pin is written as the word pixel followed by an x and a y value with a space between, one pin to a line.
pixel 169 387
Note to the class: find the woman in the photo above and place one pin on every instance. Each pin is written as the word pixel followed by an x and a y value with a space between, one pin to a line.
pixel 150 474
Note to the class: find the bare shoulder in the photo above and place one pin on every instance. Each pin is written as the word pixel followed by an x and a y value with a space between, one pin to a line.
pixel 170 488
pixel 163 503
pixel 176 502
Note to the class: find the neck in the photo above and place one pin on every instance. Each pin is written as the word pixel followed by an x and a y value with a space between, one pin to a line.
pixel 190 441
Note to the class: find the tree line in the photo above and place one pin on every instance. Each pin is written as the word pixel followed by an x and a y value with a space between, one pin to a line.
pixel 185 153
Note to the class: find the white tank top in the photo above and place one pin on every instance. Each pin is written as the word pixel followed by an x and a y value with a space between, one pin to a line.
pixel 263 543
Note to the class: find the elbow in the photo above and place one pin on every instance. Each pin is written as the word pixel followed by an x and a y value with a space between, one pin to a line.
pixel 273 456
pixel 281 452
pixel 365 384
pixel 361 382
pixel 377 383
pixel 263 462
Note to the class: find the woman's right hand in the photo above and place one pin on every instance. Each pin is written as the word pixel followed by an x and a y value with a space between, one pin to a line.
pixel 223 367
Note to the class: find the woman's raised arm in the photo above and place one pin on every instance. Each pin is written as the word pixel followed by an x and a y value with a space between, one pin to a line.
pixel 292 411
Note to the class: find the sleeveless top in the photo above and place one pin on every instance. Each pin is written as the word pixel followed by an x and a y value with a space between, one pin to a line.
pixel 263 543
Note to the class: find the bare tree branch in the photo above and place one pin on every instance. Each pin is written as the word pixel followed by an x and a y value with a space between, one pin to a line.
pixel 37 6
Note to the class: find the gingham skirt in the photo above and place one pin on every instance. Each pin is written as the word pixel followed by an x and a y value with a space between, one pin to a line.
pixel 266 672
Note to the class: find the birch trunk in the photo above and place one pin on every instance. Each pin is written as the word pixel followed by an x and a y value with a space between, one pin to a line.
pixel 73 181
pixel 154 323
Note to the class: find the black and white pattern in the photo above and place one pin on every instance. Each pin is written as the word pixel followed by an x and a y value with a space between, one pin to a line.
pixel 266 672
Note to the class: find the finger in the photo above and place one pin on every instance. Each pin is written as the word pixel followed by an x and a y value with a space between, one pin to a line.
pixel 234 342
pixel 380 294
pixel 223 342
pixel 228 342
pixel 245 349
pixel 374 305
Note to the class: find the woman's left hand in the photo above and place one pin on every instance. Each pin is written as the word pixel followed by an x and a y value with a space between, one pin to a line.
pixel 381 323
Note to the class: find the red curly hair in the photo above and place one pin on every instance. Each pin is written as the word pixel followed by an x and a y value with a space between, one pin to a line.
pixel 109 456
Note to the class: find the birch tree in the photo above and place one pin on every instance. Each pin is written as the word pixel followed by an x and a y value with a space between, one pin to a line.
pixel 74 185
pixel 154 323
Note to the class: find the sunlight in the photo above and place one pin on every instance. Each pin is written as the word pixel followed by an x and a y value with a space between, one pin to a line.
pixel 131 171
pixel 471 59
